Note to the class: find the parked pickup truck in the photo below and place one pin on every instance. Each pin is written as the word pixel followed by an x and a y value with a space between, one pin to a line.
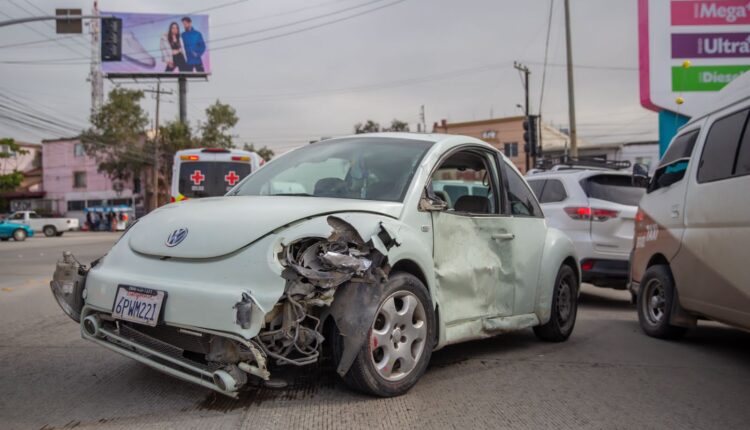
pixel 49 226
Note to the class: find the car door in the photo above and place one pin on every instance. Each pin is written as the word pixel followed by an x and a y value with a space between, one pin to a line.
pixel 529 229
pixel 472 246
pixel 711 268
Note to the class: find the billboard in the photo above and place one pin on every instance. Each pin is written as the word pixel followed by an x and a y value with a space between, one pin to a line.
pixel 690 49
pixel 161 44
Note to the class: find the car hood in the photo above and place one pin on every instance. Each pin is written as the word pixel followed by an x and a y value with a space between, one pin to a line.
pixel 221 225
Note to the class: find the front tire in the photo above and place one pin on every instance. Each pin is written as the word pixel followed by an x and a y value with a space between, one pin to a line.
pixel 19 235
pixel 655 302
pixel 399 343
pixel 50 231
pixel 564 308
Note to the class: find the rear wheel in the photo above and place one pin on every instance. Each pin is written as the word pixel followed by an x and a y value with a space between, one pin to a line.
pixel 19 235
pixel 400 341
pixel 655 301
pixel 49 231
pixel 564 308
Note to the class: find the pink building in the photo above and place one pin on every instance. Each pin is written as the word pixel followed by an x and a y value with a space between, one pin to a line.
pixel 72 181
pixel 29 193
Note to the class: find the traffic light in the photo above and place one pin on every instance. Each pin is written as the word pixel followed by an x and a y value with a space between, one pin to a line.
pixel 111 39
pixel 530 134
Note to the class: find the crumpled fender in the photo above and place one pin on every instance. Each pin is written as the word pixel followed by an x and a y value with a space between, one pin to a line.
pixel 557 248
pixel 359 281
pixel 353 309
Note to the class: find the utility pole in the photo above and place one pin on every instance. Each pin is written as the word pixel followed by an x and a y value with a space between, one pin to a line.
pixel 526 72
pixel 571 97
pixel 95 73
pixel 182 82
pixel 422 119
pixel 155 178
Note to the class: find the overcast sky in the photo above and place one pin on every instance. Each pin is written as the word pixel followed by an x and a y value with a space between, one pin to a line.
pixel 455 57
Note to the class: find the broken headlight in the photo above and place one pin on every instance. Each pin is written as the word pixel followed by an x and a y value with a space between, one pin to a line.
pixel 67 285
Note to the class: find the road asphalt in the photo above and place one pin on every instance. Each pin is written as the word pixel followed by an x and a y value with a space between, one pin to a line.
pixel 607 375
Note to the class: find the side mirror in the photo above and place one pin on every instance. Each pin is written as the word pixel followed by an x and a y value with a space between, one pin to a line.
pixel 640 175
pixel 430 202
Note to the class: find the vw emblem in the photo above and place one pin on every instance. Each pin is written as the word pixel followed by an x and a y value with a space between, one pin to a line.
pixel 176 237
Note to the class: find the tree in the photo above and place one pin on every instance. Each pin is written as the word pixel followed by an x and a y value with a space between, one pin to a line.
pixel 397 125
pixel 116 140
pixel 369 126
pixel 173 136
pixel 220 118
pixel 10 180
pixel 265 152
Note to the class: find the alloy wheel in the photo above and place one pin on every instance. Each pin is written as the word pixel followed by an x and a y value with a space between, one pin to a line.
pixel 398 335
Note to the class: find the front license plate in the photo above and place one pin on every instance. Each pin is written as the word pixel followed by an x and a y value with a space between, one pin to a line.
pixel 138 305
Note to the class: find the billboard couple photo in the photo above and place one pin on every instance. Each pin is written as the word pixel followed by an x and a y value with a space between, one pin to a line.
pixel 182 50
pixel 158 44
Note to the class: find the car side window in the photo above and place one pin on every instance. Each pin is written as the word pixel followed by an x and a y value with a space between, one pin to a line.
pixel 548 190
pixel 521 199
pixel 675 161
pixel 718 156
pixel 742 165
pixel 18 216
pixel 537 187
pixel 34 215
pixel 466 181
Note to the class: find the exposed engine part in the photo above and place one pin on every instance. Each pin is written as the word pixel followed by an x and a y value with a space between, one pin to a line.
pixel 316 269
pixel 68 284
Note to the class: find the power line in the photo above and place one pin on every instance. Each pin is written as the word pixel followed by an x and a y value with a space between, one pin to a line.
pixel 293 23
pixel 30 27
pixel 77 60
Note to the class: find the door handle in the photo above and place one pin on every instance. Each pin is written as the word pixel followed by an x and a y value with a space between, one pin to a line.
pixel 504 236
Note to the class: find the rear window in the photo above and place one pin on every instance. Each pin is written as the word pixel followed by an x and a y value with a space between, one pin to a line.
pixel 613 188
pixel 210 178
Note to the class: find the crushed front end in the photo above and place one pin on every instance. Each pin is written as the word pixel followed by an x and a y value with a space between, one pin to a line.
pixel 222 320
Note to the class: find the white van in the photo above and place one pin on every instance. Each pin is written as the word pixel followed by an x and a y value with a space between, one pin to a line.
pixel 691 258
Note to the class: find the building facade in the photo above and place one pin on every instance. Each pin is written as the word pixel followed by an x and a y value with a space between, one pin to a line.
pixel 72 181
pixel 505 134
pixel 29 195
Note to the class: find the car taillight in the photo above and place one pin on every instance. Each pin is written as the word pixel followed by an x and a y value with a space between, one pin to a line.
pixel 594 214
pixel 189 157
pixel 603 214
pixel 580 213
pixel 639 216
pixel 587 265
pixel 240 158
pixel 172 200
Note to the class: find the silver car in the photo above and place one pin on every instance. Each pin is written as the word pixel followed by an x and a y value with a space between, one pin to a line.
pixel 596 208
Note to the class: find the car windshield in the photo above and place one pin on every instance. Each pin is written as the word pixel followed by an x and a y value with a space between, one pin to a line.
pixel 365 168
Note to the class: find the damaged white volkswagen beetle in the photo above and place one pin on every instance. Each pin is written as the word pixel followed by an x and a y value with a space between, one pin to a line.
pixel 376 248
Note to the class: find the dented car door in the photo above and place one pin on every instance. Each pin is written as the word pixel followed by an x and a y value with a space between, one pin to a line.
pixel 472 246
